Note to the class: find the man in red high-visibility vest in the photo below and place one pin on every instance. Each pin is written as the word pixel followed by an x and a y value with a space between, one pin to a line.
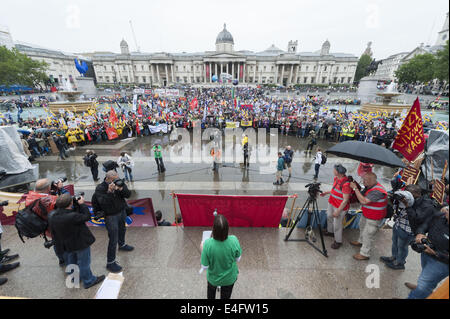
pixel 338 205
pixel 373 201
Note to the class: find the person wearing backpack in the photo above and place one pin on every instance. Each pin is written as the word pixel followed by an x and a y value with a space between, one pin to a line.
pixel 288 154
pixel 338 205
pixel 317 162
pixel 41 203
pixel 73 237
pixel 90 160
pixel 280 167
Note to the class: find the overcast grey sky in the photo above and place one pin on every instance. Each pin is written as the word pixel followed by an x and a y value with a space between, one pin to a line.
pixel 192 26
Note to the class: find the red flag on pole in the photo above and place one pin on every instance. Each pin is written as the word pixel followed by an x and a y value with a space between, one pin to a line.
pixel 138 131
pixel 194 103
pixel 140 110
pixel 410 140
pixel 113 116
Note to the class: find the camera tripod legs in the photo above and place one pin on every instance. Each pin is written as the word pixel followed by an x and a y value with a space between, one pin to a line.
pixel 311 208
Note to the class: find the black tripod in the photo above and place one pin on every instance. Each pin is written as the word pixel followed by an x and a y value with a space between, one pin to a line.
pixel 310 207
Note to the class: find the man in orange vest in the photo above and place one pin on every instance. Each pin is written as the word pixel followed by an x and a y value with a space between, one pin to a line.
pixel 373 201
pixel 338 205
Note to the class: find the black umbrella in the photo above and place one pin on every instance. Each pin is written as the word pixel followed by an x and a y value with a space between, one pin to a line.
pixel 366 153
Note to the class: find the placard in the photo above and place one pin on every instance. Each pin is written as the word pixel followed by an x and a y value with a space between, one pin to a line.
pixel 438 191
pixel 410 172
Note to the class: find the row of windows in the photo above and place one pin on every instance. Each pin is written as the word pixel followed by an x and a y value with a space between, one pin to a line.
pixel 251 68
pixel 185 79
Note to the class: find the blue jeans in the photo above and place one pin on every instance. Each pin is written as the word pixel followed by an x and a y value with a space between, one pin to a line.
pixel 128 175
pixel 82 258
pixel 433 271
pixel 316 169
pixel 36 151
pixel 400 244
pixel 115 225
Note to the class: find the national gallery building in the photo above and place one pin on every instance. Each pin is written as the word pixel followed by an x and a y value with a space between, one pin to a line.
pixel 270 66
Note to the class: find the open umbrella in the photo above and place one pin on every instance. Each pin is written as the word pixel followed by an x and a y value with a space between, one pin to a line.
pixel 366 153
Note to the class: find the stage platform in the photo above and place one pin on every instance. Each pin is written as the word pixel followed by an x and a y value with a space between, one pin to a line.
pixel 166 261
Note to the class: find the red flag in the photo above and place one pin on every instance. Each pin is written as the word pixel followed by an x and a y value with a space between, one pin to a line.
pixel 140 110
pixel 138 131
pixel 113 116
pixel 410 140
pixel 111 133
pixel 194 103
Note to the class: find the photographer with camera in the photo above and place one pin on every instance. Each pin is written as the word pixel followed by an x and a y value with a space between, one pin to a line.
pixel 432 242
pixel 402 234
pixel 45 204
pixel 72 237
pixel 374 200
pixel 126 163
pixel 338 205
pixel 57 187
pixel 4 258
pixel 109 202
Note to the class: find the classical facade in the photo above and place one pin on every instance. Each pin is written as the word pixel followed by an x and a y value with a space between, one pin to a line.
pixel 270 66
pixel 387 69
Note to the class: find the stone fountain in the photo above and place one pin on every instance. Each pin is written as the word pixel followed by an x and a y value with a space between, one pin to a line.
pixel 386 104
pixel 70 100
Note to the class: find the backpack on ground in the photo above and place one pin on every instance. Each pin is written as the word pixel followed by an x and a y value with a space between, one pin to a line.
pixel 324 160
pixel 28 223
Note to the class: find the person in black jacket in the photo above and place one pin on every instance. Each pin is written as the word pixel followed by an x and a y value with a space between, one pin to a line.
pixel 72 237
pixel 422 208
pixel 91 159
pixel 434 259
pixel 109 200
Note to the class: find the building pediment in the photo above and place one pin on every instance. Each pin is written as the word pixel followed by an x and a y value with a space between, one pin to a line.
pixel 224 55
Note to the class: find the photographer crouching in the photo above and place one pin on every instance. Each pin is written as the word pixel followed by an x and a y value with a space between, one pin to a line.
pixel 71 236
pixel 432 242
pixel 109 202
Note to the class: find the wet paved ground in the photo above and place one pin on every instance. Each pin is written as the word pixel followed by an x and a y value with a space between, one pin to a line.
pixel 166 261
pixel 199 178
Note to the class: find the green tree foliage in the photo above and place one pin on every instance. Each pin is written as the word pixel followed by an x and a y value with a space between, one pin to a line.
pixel 420 68
pixel 441 65
pixel 361 68
pixel 17 68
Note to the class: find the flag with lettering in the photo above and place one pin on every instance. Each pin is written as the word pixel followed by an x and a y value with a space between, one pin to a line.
pixel 410 139
pixel 113 116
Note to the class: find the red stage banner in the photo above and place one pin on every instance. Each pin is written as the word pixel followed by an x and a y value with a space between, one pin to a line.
pixel 240 211
pixel 410 140
pixel 241 72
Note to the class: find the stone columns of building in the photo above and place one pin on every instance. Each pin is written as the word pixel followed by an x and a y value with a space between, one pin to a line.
pixel 232 70
pixel 173 77
pixel 215 68
pixel 291 74
pixel 193 71
pixel 282 74
pixel 167 73
pixel 276 74
pixel 318 74
pixel 153 73
pixel 157 73
pixel 243 71
pixel 254 74
pixel 296 74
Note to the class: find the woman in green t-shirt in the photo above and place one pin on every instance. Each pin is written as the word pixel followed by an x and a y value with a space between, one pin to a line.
pixel 220 255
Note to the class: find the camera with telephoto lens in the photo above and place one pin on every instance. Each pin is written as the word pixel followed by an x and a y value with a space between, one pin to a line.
pixel 54 188
pixel 75 199
pixel 420 248
pixel 119 182
pixel 4 203
pixel 313 189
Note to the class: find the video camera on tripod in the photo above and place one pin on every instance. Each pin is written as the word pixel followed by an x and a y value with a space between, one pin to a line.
pixel 313 189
